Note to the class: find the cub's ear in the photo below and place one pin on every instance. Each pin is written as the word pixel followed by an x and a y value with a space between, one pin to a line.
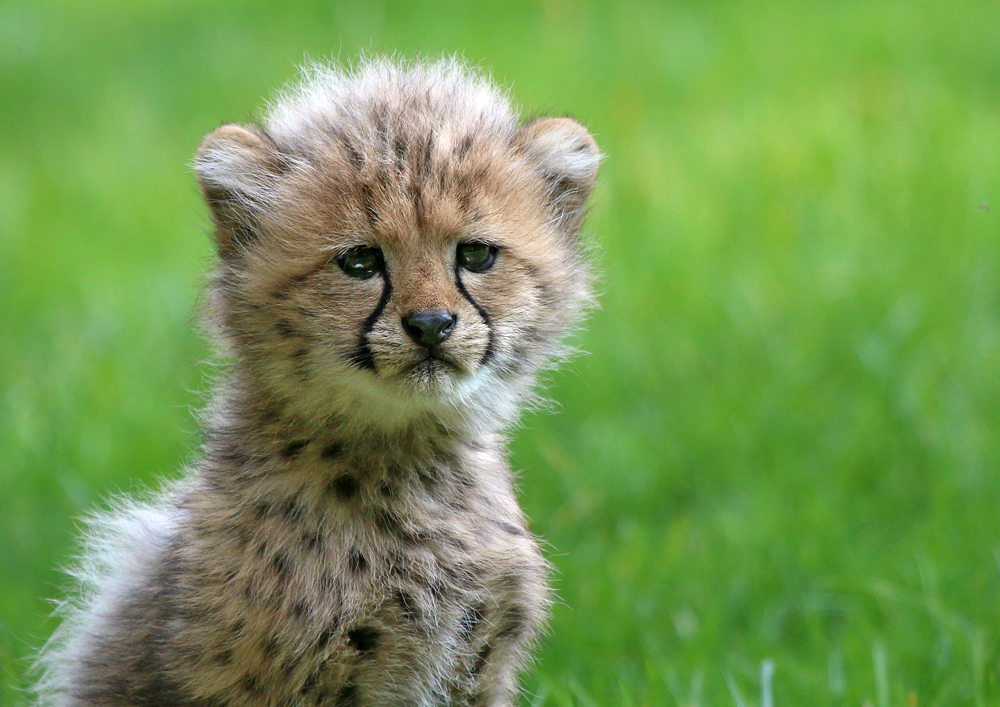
pixel 237 167
pixel 566 156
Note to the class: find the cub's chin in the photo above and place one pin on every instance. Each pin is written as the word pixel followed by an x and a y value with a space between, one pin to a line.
pixel 433 373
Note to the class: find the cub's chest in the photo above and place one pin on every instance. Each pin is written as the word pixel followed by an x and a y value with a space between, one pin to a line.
pixel 302 603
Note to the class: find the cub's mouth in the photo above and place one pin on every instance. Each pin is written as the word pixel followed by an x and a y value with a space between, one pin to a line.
pixel 436 362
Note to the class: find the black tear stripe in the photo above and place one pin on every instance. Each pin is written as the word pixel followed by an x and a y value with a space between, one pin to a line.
pixel 490 350
pixel 362 354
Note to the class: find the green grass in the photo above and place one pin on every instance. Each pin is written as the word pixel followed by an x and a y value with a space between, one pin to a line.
pixel 783 449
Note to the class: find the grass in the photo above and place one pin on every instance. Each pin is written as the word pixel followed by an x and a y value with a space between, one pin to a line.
pixel 774 480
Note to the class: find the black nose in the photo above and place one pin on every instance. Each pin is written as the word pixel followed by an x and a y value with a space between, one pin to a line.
pixel 429 328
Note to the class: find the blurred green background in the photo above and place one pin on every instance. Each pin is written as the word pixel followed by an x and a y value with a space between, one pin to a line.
pixel 775 479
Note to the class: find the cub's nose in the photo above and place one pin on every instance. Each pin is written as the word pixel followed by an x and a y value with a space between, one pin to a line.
pixel 429 328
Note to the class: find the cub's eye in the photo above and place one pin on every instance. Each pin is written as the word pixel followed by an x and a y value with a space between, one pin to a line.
pixel 477 257
pixel 361 262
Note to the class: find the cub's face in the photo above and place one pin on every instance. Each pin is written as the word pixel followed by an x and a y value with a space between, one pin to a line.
pixel 432 270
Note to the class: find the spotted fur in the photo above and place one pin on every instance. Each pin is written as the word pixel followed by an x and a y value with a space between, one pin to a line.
pixel 351 536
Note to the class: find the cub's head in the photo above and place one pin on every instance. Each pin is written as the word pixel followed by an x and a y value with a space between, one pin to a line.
pixel 393 242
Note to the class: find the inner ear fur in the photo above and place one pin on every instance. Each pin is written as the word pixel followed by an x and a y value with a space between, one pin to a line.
pixel 236 166
pixel 566 156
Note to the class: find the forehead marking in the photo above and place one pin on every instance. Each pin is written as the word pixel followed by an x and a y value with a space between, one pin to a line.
pixel 367 195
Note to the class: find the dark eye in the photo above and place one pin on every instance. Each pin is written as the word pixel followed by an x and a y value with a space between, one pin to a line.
pixel 477 257
pixel 361 262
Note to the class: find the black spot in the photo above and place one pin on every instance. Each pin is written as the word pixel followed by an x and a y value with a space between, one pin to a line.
pixel 226 454
pixel 300 609
pixel 363 639
pixel 429 479
pixel 511 529
pixel 289 509
pixel 462 478
pixel 291 664
pixel 344 486
pixel 356 159
pixel 399 147
pixel 409 606
pixel 348 696
pixel 463 148
pixel 293 448
pixel 332 451
pixel 238 626
pixel 191 612
pixel 482 658
pixel 356 561
pixel 269 647
pixel 513 624
pixel 285 329
pixel 474 444
pixel 243 535
pixel 261 509
pixel 300 362
pixel 271 412
pixel 224 657
pixel 312 540
pixel 323 640
pixel 250 683
pixel 386 489
pixel 311 683
pixel 470 621
pixel 282 565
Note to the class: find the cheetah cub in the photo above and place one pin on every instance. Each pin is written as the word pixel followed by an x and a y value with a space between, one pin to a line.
pixel 398 257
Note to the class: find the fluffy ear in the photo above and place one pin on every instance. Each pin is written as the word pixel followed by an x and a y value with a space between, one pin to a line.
pixel 566 156
pixel 237 167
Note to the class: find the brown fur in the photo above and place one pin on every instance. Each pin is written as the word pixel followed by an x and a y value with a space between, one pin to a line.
pixel 351 536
